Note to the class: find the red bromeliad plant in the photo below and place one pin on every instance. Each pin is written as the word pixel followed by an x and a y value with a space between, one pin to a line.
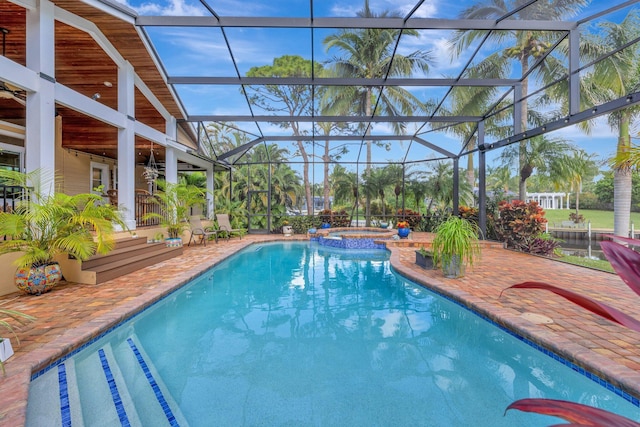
pixel 626 262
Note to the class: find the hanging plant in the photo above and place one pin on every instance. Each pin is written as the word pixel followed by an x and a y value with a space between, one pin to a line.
pixel 150 173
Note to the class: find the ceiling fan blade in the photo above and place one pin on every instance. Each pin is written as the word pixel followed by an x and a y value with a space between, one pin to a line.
pixel 4 94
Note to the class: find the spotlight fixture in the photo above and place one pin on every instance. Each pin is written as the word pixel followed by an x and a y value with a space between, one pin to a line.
pixel 629 99
pixel 95 96
pixel 595 110
pixel 566 120
pixel 524 135
pixel 544 128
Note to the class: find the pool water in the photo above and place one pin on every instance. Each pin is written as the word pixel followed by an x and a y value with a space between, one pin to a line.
pixel 294 334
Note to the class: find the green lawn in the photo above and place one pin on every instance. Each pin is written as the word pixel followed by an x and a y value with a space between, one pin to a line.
pixel 599 219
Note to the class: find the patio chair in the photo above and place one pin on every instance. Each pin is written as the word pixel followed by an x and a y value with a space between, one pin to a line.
pixel 198 230
pixel 225 226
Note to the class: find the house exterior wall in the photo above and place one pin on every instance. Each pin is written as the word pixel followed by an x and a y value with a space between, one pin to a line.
pixel 41 132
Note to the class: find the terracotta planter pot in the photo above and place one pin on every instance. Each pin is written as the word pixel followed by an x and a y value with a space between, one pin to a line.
pixel 38 280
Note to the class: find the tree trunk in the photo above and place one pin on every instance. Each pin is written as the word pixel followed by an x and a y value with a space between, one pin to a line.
pixel 367 207
pixel 621 201
pixel 522 190
pixel 471 173
pixel 305 177
pixel 622 184
pixel 326 187
pixel 524 111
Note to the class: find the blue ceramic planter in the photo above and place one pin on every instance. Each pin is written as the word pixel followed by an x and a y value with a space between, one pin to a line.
pixel 404 232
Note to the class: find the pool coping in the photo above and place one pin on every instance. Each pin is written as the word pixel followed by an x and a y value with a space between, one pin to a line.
pixel 20 368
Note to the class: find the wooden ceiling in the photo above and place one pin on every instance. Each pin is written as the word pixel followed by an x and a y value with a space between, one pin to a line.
pixel 83 66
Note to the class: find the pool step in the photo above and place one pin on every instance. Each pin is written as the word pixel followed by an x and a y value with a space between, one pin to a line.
pixel 53 398
pixel 150 396
pixel 118 386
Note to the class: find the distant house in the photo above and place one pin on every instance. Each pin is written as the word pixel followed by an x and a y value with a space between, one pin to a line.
pixel 548 200
pixel 318 205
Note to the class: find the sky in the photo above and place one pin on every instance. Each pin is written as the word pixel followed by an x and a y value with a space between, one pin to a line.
pixel 203 52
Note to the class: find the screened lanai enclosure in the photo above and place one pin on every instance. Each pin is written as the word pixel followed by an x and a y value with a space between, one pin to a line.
pixel 381 109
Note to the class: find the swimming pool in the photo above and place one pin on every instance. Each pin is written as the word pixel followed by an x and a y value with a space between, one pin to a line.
pixel 297 334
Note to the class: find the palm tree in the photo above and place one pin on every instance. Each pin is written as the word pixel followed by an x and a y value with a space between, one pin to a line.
pixel 529 45
pixel 418 188
pixel 376 183
pixel 395 175
pixel 369 53
pixel 534 153
pixel 440 187
pixel 612 78
pixel 499 178
pixel 472 101
pixel 574 169
pixel 344 185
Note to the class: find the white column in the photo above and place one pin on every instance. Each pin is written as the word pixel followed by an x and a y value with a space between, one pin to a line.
pixel 210 187
pixel 171 165
pixel 127 145
pixel 40 111
pixel 171 159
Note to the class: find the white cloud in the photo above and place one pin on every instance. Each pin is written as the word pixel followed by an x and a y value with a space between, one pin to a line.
pixel 426 10
pixel 171 8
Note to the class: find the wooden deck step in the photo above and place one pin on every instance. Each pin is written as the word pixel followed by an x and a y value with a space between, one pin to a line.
pixel 134 261
pixel 129 255
pixel 122 251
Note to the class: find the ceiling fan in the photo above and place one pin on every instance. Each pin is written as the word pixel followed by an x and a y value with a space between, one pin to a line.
pixel 8 91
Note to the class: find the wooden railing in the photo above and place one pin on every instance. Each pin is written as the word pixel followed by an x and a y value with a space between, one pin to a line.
pixel 9 196
pixel 145 204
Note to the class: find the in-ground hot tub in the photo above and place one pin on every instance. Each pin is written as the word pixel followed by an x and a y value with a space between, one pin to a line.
pixel 354 237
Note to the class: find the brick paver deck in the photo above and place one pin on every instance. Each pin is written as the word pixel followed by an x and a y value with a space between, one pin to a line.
pixel 71 314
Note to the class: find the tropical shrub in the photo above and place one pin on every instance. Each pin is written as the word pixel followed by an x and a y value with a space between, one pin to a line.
pixel 431 221
pixel 544 244
pixel 469 213
pixel 625 262
pixel 302 223
pixel 410 216
pixel 520 224
pixel 175 204
pixel 576 217
pixel 335 218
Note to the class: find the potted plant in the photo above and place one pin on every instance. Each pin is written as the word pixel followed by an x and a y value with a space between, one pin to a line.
pixel 424 258
pixel 403 229
pixel 45 225
pixel 287 230
pixel 455 246
pixel 175 204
